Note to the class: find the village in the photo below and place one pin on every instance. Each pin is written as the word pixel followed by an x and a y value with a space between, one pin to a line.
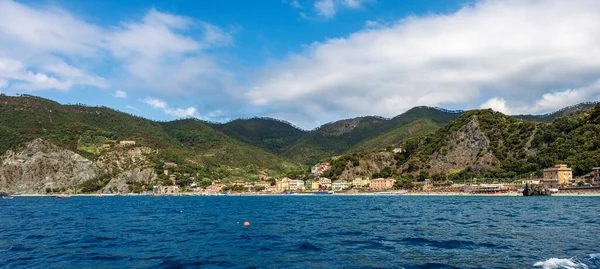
pixel 557 179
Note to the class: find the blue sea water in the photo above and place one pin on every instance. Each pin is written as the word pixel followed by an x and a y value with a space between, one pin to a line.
pixel 300 232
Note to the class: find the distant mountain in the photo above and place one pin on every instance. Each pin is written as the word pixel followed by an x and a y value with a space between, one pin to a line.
pixel 366 133
pixel 267 133
pixel 564 112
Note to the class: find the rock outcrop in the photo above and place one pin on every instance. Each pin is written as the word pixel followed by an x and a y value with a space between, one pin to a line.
pixel 40 165
pixel 120 184
pixel 467 147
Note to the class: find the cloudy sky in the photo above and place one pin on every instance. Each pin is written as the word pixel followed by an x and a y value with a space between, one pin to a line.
pixel 306 61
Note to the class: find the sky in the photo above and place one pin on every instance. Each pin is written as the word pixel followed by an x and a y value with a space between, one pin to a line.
pixel 309 62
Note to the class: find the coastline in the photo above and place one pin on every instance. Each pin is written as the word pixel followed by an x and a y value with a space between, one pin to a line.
pixel 508 194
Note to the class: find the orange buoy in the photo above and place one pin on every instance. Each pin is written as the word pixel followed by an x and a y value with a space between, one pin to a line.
pixel 246 223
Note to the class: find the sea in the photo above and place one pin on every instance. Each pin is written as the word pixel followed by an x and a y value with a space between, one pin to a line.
pixel 295 231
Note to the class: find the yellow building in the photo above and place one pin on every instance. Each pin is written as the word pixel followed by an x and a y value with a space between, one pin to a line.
pixel 315 185
pixel 283 184
pixel 361 182
pixel 560 174
pixel 325 182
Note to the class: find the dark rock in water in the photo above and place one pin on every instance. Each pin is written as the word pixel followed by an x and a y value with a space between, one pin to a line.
pixel 536 190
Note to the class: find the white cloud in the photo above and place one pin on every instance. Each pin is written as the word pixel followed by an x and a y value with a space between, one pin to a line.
pixel 4 83
pixel 548 102
pixel 293 3
pixel 515 50
pixel 132 107
pixel 352 3
pixel 325 8
pixel 497 104
pixel 51 48
pixel 120 94
pixel 155 102
pixel 175 112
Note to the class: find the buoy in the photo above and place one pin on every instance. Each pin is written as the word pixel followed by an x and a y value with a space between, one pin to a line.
pixel 246 223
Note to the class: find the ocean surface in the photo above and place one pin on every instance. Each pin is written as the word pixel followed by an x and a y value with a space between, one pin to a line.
pixel 300 232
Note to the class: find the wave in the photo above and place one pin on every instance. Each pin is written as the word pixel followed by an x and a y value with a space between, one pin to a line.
pixel 590 261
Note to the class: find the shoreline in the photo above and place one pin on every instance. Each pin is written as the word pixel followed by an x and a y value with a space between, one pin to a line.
pixel 509 194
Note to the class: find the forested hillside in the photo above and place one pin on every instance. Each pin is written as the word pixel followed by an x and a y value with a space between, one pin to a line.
pixel 433 142
pixel 484 143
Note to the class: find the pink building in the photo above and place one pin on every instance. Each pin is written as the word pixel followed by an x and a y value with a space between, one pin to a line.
pixel 381 184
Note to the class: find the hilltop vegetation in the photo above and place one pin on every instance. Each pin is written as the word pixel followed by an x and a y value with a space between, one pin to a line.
pixel 270 134
pixel 484 143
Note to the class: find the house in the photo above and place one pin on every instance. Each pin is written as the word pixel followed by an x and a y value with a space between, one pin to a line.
pixel 170 164
pixel 214 187
pixel 560 174
pixel 165 190
pixel 271 188
pixel 398 150
pixel 296 185
pixel 325 183
pixel 126 143
pixel 339 185
pixel 318 169
pixel 596 173
pixel 262 184
pixel 283 184
pixel 315 185
pixel 360 182
pixel 381 183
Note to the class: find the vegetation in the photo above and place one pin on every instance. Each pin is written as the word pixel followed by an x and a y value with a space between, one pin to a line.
pixel 516 147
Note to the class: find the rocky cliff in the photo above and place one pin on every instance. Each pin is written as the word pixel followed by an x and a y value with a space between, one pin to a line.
pixel 468 147
pixel 40 166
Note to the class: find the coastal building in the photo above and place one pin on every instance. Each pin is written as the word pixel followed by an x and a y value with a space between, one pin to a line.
pixel 381 183
pixel 360 182
pixel 318 169
pixel 315 185
pixel 271 189
pixel 262 184
pixel 596 174
pixel 214 187
pixel 325 183
pixel 560 175
pixel 339 185
pixel 296 185
pixel 283 184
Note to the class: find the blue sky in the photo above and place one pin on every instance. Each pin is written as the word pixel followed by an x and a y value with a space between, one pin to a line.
pixel 309 62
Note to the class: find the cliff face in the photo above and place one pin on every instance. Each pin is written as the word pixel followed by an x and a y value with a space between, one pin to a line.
pixel 468 147
pixel 40 165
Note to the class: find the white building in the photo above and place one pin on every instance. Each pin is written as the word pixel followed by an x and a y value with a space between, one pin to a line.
pixel 339 185
pixel 296 185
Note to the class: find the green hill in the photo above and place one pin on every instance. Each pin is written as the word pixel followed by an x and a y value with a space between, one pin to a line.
pixel 484 144
pixel 84 129
pixel 366 133
pixel 491 144
pixel 270 134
